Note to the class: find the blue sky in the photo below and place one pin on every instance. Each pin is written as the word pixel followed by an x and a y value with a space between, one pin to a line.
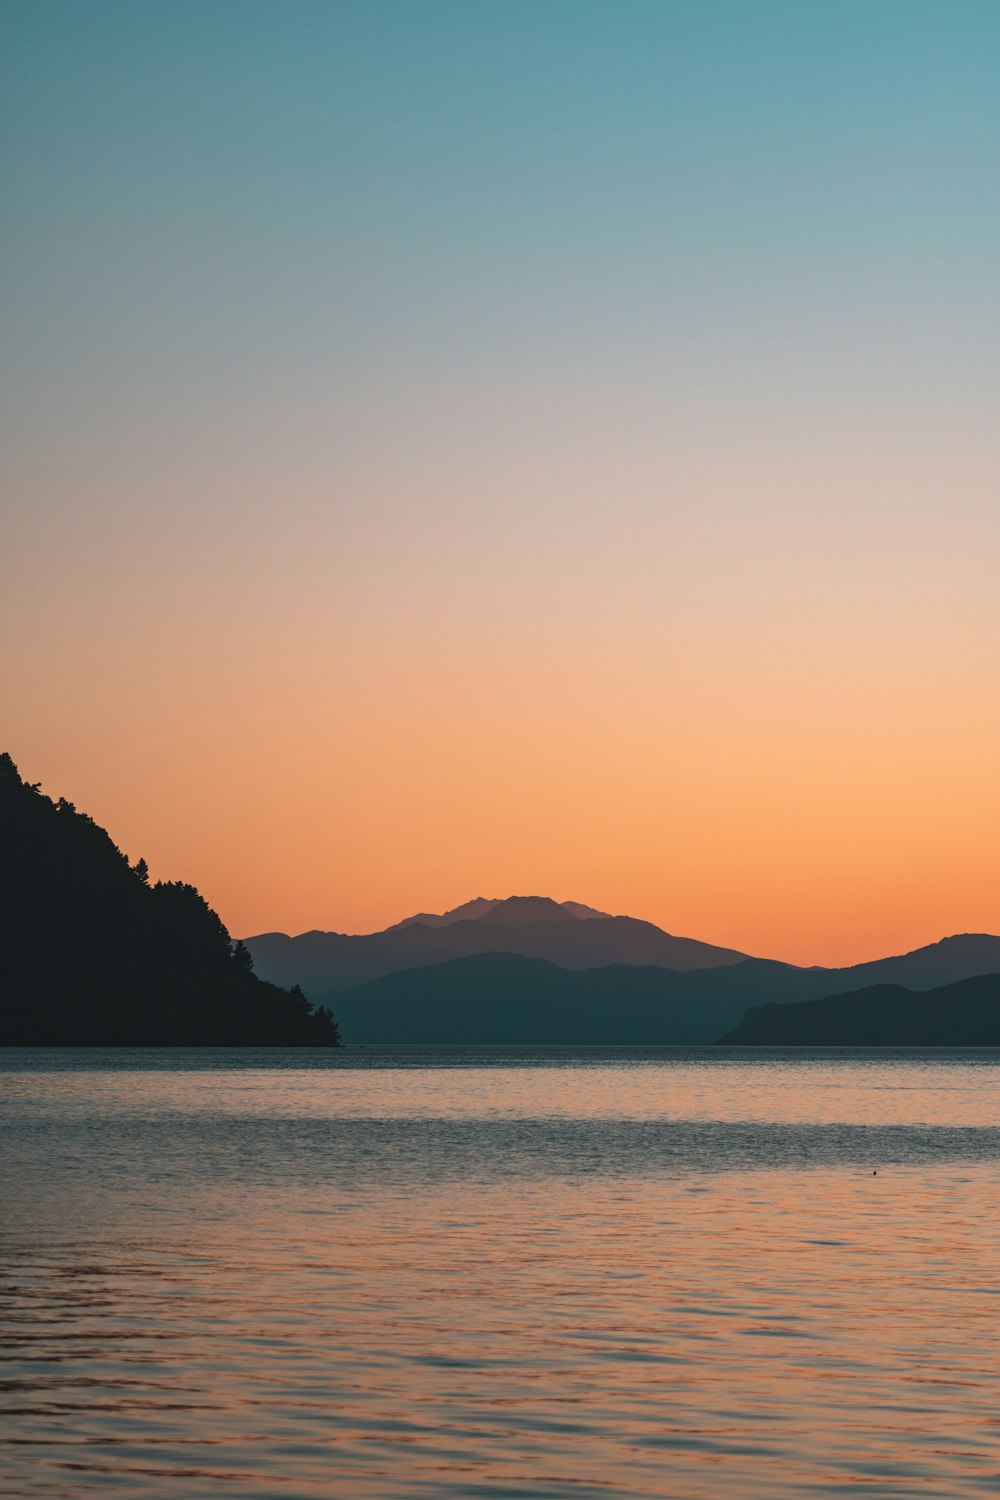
pixel 366 189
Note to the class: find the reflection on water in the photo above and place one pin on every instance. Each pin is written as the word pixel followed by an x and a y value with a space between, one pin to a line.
pixel 687 1276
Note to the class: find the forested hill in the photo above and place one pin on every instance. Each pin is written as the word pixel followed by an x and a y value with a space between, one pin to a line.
pixel 966 1014
pixel 92 954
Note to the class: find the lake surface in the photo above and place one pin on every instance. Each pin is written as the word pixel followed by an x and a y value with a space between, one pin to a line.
pixel 379 1273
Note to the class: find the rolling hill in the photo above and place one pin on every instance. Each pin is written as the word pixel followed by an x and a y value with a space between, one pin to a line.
pixel 507 998
pixel 966 1014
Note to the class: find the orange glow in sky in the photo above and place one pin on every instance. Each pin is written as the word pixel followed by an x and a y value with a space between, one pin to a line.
pixel 540 453
pixel 763 737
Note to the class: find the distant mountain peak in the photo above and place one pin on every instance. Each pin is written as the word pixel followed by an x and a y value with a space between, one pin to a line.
pixel 518 909
pixel 565 933
pixel 585 913
pixel 468 911
pixel 502 910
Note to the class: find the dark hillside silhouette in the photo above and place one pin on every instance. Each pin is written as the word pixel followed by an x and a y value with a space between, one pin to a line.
pixel 493 998
pixel 966 1014
pixel 504 997
pixel 92 954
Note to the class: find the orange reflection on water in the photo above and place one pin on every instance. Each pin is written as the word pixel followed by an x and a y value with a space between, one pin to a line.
pixel 282 1294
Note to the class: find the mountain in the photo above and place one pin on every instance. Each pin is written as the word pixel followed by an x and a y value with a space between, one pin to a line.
pixel 478 908
pixel 91 954
pixel 953 958
pixel 501 997
pixel 532 926
pixel 966 1014
pixel 469 910
pixel 518 911
pixel 540 906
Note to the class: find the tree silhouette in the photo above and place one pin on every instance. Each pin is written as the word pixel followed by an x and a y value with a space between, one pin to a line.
pixel 92 954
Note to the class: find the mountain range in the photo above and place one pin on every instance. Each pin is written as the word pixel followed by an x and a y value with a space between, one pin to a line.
pixel 567 933
pixel 93 953
pixel 533 970
pixel 496 998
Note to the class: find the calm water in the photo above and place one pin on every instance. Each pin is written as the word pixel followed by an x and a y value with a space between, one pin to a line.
pixel 500 1274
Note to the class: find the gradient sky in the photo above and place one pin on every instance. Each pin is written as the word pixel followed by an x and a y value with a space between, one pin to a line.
pixel 457 449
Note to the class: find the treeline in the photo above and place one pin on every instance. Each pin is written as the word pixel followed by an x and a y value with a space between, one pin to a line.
pixel 93 954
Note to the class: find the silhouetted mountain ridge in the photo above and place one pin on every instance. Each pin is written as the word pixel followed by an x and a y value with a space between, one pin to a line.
pixel 469 910
pixel 527 908
pixel 494 998
pixel 505 998
pixel 532 926
pixel 518 910
pixel 964 1014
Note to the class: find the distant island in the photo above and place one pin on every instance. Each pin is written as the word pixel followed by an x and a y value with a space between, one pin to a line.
pixel 966 1014
pixel 92 954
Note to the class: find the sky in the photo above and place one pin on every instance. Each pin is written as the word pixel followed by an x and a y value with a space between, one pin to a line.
pixel 459 449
